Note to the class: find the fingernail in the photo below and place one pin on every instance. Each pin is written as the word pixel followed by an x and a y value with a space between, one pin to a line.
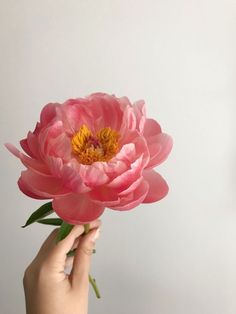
pixel 95 236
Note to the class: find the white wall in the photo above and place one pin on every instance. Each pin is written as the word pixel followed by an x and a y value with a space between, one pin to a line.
pixel 174 257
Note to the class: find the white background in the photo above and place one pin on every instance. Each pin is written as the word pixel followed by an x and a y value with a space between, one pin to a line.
pixel 177 256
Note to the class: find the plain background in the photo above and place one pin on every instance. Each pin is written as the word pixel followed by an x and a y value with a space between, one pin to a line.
pixel 177 256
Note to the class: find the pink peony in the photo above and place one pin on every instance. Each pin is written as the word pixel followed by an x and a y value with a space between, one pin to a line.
pixel 94 152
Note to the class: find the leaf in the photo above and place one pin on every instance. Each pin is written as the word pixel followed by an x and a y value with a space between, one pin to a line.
pixel 64 230
pixel 72 252
pixel 51 221
pixel 41 212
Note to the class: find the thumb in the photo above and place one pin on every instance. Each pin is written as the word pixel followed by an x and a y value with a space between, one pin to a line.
pixel 81 265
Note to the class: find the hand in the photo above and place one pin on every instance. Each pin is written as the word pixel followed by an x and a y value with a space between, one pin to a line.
pixel 48 289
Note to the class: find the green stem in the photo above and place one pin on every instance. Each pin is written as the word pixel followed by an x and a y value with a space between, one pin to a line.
pixel 95 288
pixel 92 280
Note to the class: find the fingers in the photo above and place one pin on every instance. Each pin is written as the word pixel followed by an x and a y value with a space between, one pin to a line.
pixel 63 247
pixel 56 253
pixel 81 263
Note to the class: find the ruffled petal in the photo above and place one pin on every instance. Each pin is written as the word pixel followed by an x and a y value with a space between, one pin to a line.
pixel 93 175
pixel 77 208
pixel 136 197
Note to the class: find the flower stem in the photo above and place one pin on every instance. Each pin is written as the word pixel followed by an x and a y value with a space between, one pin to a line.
pixel 92 280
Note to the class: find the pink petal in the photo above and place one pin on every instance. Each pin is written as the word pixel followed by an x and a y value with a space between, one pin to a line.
pixel 124 180
pixel 33 143
pixel 137 197
pixel 140 112
pixel 141 148
pixel 48 113
pixel 72 180
pixel 160 147
pixel 151 128
pixel 93 175
pixel 27 190
pixel 77 208
pixel 27 161
pixel 74 113
pixel 158 187
pixel 106 111
pixel 129 119
pixel 114 167
pixel 43 185
pixel 25 146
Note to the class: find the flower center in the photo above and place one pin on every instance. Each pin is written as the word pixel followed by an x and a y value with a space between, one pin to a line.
pixel 89 148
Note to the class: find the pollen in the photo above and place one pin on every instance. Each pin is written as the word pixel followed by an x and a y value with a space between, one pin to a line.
pixel 89 148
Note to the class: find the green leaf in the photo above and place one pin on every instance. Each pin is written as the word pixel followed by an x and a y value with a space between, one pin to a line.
pixel 51 221
pixel 64 230
pixel 41 212
pixel 72 252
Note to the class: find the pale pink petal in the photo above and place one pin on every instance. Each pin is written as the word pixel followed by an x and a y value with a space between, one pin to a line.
pixel 72 180
pixel 127 153
pixel 114 167
pixel 106 110
pixel 140 144
pixel 140 112
pixel 129 119
pixel 93 175
pixel 158 187
pixel 77 208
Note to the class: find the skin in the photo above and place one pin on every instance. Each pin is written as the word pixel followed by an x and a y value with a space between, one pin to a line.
pixel 48 289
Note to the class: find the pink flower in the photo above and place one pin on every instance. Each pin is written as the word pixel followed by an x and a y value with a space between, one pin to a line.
pixel 95 152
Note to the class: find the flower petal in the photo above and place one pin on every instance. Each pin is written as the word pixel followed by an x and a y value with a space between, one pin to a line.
pixel 43 185
pixel 31 163
pixel 137 197
pixel 77 208
pixel 158 187
pixel 151 128
pixel 159 147
pixel 140 112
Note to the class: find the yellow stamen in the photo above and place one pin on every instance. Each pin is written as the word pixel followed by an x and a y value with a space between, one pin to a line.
pixel 89 148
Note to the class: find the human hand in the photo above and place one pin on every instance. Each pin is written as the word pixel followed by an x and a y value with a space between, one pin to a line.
pixel 48 289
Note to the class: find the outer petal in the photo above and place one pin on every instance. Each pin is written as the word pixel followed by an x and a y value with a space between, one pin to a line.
pixel 43 185
pixel 159 147
pixel 140 112
pixel 27 190
pixel 151 128
pixel 31 163
pixel 48 113
pixel 158 187
pixel 77 208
